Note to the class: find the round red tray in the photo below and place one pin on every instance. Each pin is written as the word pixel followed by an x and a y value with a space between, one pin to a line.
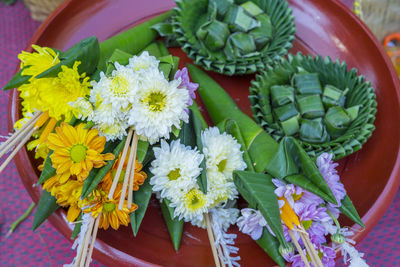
pixel 328 28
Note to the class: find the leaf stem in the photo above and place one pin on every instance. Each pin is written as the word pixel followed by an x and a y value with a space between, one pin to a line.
pixel 15 224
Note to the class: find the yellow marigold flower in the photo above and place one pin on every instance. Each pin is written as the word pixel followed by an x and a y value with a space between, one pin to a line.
pixel 67 194
pixel 66 88
pixel 76 151
pixel 109 213
pixel 39 61
pixel 139 178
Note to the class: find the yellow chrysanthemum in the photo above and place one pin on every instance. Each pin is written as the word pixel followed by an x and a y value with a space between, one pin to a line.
pixel 39 61
pixel 109 212
pixel 67 87
pixel 139 178
pixel 76 151
pixel 67 194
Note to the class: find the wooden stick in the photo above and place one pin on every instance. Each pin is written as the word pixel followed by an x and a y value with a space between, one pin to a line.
pixel 10 142
pixel 120 164
pixel 311 250
pixel 20 145
pixel 86 242
pixel 132 171
pixel 221 253
pixel 212 240
pixel 298 247
pixel 94 235
pixel 126 179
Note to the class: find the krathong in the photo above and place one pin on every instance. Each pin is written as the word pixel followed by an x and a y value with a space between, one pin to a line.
pixel 115 122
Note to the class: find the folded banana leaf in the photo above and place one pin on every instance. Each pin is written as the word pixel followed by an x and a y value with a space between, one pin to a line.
pixel 262 31
pixel 354 92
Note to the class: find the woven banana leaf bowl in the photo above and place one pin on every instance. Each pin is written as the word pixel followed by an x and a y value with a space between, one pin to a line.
pixel 337 117
pixel 234 36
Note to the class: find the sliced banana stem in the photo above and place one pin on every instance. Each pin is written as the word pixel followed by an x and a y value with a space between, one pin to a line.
pixel 212 241
pixel 298 247
pixel 94 235
pixel 132 171
pixel 120 164
pixel 13 140
pixel 126 179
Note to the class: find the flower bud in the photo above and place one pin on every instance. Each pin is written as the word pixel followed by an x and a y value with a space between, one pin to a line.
pixel 338 238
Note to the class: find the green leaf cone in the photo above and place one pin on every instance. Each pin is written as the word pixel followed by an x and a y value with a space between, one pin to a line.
pixel 348 209
pixel 46 206
pixel 175 226
pixel 271 246
pixel 141 198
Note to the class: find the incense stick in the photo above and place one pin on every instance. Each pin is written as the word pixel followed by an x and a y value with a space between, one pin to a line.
pixel 212 240
pixel 298 247
pixel 94 235
pixel 132 171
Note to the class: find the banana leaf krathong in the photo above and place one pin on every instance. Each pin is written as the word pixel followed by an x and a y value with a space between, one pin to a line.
pixel 349 102
pixel 233 37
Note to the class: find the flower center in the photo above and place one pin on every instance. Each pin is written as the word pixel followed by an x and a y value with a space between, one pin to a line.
pixel 119 86
pixel 297 197
pixel 221 165
pixel 306 224
pixel 155 101
pixel 174 174
pixel 78 153
pixel 195 200
pixel 108 207
pixel 121 176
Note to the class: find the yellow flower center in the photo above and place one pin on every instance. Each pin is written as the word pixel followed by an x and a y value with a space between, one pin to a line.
pixel 119 86
pixel 78 153
pixel 195 200
pixel 297 197
pixel 108 207
pixel 306 224
pixel 155 101
pixel 221 165
pixel 121 176
pixel 174 174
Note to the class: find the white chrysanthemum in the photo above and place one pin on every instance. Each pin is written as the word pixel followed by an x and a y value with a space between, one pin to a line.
pixel 82 108
pixel 117 90
pixel 222 152
pixel 104 114
pixel 143 62
pixel 219 189
pixel 158 106
pixel 114 131
pixel 175 169
pixel 190 206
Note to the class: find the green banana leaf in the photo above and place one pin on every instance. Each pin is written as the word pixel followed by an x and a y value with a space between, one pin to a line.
pixel 198 127
pixel 77 227
pixel 283 162
pixel 96 175
pixel 131 41
pixel 348 209
pixel 86 51
pixel 175 226
pixel 271 246
pixel 186 134
pixel 258 190
pixel 260 146
pixel 48 170
pixel 141 198
pixel 46 206
pixel 231 127
pixel 17 80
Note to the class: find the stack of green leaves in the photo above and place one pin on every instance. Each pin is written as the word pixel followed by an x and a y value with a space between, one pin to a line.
pixel 318 102
pixel 232 36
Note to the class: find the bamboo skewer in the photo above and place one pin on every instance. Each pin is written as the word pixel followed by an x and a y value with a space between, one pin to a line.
pixel 15 151
pixel 298 247
pixel 120 164
pixel 132 171
pixel 94 235
pixel 212 240
pixel 311 250
pixel 10 142
pixel 126 179
pixel 83 250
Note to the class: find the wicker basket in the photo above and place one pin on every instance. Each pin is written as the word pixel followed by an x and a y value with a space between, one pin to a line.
pixel 41 9
pixel 381 16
